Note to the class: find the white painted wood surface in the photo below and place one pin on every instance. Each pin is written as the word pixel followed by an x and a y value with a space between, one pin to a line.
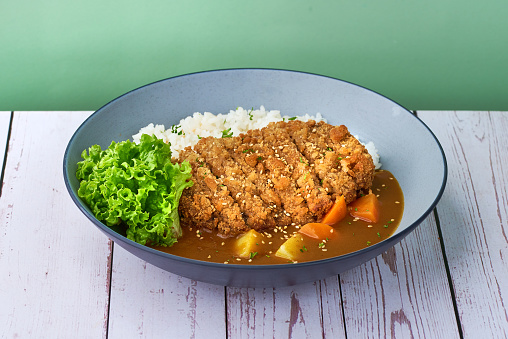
pixel 473 215
pixel 60 277
pixel 303 311
pixel 403 293
pixel 54 266
pixel 148 302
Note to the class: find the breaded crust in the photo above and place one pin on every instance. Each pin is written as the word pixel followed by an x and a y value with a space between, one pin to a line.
pixel 286 173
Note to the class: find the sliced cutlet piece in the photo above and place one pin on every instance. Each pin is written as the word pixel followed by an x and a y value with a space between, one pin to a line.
pixel 207 203
pixel 341 162
pixel 280 175
pixel 307 182
pixel 256 213
pixel 248 152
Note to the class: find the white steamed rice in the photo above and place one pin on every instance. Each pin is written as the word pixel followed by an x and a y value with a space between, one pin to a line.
pixel 200 125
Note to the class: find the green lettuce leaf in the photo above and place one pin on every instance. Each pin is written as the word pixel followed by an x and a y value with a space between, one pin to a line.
pixel 135 184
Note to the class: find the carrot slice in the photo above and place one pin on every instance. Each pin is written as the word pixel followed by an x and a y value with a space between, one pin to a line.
pixel 337 212
pixel 319 231
pixel 365 208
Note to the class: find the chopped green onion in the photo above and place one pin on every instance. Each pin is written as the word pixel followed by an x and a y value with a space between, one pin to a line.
pixel 227 133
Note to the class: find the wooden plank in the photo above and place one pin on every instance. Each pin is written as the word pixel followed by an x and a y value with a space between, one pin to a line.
pixel 5 118
pixel 54 265
pixel 403 293
pixel 473 215
pixel 151 303
pixel 304 311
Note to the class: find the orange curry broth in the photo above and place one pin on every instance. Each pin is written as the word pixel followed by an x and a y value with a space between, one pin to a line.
pixel 354 234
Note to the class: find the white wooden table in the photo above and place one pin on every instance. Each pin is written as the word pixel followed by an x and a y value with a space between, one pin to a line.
pixel 61 278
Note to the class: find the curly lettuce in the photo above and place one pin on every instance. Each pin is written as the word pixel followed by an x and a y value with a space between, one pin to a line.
pixel 137 185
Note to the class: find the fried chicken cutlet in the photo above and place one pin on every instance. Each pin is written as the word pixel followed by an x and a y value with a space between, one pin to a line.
pixel 286 173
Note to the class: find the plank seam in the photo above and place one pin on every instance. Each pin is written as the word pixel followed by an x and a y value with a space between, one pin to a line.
pixel 110 287
pixel 226 311
pixel 321 316
pixel 448 274
pixel 342 307
pixel 447 267
pixel 4 163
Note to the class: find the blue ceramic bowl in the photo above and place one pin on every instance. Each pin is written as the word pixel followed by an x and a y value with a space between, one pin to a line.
pixel 407 147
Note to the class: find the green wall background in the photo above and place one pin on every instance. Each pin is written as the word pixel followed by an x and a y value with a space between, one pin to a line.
pixel 79 55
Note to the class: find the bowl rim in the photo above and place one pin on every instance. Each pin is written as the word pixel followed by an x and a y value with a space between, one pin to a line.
pixel 395 238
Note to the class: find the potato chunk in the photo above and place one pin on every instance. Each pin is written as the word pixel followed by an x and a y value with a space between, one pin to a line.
pixel 248 244
pixel 292 248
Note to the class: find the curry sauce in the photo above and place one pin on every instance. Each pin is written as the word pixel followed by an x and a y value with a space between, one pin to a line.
pixel 353 234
